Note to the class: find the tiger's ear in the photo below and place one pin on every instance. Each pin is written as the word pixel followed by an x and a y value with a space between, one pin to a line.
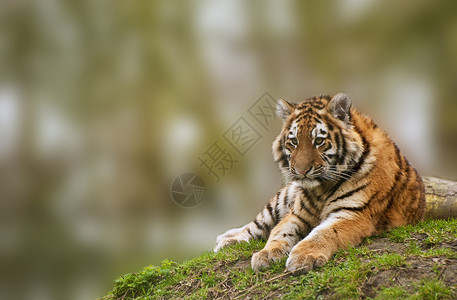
pixel 284 108
pixel 339 107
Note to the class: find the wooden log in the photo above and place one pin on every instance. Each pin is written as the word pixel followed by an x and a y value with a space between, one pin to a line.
pixel 441 198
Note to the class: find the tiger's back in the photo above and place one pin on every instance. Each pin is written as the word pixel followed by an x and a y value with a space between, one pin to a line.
pixel 346 179
pixel 397 194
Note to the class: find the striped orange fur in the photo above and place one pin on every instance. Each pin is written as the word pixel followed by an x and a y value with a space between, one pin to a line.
pixel 345 180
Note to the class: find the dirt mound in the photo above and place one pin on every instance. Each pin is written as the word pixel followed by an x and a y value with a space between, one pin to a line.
pixel 417 262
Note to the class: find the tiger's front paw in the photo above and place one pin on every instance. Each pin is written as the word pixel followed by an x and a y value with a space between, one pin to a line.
pixel 263 258
pixel 230 237
pixel 302 260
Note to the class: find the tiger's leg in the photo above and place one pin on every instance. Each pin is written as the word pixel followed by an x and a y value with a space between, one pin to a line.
pixel 284 236
pixel 266 219
pixel 338 231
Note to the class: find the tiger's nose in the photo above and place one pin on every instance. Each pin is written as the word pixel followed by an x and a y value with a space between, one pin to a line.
pixel 304 172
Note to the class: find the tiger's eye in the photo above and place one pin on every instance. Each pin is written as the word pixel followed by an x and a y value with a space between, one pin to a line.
pixel 318 141
pixel 294 142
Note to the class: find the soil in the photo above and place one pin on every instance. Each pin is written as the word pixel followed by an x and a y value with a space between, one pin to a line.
pixel 415 269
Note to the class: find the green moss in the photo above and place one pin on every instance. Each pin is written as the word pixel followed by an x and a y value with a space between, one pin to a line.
pixel 436 231
pixel 432 289
pixel 394 292
pixel 346 276
pixel 425 289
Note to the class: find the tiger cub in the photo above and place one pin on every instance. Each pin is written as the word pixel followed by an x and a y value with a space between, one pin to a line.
pixel 346 180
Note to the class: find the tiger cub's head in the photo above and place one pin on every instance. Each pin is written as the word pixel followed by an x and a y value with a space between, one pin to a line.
pixel 317 142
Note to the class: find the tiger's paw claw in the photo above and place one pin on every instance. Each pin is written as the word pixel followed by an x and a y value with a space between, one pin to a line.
pixel 230 237
pixel 265 257
pixel 300 262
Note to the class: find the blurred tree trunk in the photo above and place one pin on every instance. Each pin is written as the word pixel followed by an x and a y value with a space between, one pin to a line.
pixel 441 197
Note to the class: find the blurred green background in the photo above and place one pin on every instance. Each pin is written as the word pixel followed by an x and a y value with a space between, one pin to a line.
pixel 103 103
